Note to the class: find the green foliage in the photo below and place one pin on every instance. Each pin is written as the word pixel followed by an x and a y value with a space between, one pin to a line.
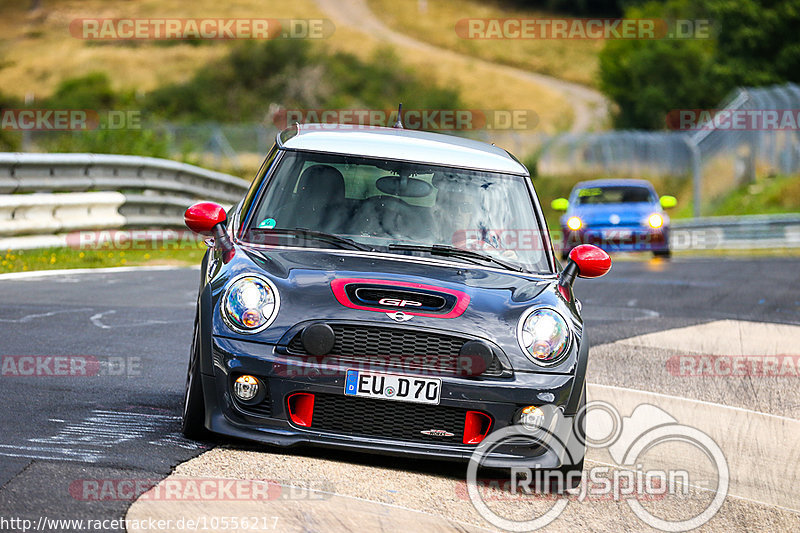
pixel 144 141
pixel 92 91
pixel 780 194
pixel 295 75
pixel 759 42
pixel 605 8
pixel 242 87
pixel 9 141
pixel 649 78
pixel 753 42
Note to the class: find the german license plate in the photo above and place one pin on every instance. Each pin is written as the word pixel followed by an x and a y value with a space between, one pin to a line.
pixel 620 235
pixel 392 387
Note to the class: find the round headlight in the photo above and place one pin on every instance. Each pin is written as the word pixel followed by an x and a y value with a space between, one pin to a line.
pixel 574 223
pixel 250 304
pixel 544 336
pixel 655 220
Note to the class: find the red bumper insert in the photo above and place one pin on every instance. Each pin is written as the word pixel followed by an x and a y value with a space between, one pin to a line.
pixel 476 427
pixel 301 408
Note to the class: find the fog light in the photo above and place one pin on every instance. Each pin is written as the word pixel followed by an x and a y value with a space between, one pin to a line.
pixel 246 387
pixel 531 417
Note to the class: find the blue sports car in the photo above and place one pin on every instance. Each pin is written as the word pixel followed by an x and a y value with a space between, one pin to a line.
pixel 619 215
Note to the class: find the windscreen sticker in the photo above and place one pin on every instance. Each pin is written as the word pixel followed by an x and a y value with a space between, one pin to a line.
pixel 268 223
pixel 590 192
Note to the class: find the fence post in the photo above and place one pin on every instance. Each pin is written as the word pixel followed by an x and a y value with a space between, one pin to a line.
pixel 696 166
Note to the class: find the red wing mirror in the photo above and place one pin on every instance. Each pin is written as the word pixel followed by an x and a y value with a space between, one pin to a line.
pixel 202 217
pixel 585 261
pixel 592 261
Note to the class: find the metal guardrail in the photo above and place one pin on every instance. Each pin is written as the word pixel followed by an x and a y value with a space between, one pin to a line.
pixel 21 172
pixel 44 195
pixel 737 232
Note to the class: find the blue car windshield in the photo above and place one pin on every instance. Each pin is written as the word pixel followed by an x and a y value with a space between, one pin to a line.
pixel 625 194
pixel 379 203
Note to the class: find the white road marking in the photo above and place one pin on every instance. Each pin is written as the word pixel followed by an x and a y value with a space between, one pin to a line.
pixel 90 439
pixel 725 337
pixel 106 270
pixel 96 320
pixel 28 318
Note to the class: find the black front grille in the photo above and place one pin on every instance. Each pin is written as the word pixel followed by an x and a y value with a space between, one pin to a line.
pixel 263 409
pixel 387 419
pixel 406 348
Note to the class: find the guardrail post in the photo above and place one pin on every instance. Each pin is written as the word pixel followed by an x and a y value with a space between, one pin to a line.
pixel 696 166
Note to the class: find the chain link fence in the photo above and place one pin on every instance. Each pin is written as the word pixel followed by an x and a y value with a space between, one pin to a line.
pixel 754 132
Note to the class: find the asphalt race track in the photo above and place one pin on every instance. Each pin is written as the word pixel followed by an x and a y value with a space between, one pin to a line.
pixel 133 327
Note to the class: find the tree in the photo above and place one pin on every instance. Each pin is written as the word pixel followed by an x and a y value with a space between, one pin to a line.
pixel 753 42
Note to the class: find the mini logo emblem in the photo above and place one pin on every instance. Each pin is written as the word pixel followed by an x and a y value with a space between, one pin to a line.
pixel 399 316
pixel 614 219
pixel 437 433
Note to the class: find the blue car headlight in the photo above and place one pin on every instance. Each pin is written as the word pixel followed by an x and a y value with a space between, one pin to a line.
pixel 250 303
pixel 543 335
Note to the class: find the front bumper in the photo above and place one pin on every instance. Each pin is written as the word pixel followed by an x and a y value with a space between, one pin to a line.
pixel 398 430
pixel 619 238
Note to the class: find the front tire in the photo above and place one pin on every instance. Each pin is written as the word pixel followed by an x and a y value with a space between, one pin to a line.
pixel 194 409
pixel 664 254
pixel 573 472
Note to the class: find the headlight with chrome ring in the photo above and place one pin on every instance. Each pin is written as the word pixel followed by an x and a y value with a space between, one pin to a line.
pixel 250 303
pixel 543 335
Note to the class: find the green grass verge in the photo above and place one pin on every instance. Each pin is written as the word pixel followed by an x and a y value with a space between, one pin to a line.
pixel 780 194
pixel 65 258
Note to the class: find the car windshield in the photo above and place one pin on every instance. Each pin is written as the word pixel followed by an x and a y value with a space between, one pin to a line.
pixel 625 194
pixel 380 204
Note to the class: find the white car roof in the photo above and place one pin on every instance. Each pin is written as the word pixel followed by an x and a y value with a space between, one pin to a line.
pixel 400 144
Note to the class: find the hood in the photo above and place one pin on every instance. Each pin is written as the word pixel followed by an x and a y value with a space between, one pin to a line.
pixel 448 298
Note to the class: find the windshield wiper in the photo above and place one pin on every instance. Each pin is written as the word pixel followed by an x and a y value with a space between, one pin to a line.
pixel 452 251
pixel 321 236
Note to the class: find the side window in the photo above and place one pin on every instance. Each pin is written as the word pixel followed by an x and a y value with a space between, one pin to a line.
pixel 252 192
